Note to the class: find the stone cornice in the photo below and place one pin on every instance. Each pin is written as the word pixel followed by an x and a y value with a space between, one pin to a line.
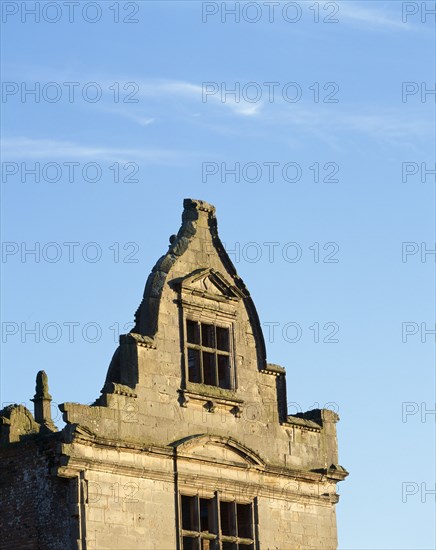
pixel 139 339
pixel 211 398
pixel 252 489
pixel 291 490
pixel 302 424
pixel 334 473
pixel 191 303
pixel 66 452
pixel 274 370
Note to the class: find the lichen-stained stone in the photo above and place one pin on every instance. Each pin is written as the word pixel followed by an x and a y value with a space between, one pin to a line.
pixel 17 423
pixel 190 438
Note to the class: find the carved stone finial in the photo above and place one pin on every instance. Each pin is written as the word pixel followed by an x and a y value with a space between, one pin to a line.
pixel 42 401
pixel 41 390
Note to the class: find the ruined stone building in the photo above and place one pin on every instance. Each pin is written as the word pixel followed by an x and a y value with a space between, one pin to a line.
pixel 189 445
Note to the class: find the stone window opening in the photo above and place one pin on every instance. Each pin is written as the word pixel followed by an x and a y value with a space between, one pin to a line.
pixel 208 348
pixel 215 524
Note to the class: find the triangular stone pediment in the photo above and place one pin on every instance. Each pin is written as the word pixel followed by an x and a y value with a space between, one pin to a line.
pixel 210 283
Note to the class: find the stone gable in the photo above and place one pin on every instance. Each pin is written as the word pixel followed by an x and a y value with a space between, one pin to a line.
pixel 189 444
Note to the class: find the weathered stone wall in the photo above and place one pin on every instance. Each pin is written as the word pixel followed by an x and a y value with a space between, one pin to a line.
pixel 130 494
pixel 36 508
pixel 296 526
pixel 129 512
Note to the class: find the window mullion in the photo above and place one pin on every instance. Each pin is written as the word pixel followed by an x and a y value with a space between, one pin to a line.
pixel 200 333
pixel 201 352
pixel 179 518
pixel 218 517
pixel 215 343
pixel 215 366
pixel 235 515
pixel 197 510
pixel 254 520
pixel 236 532
pixel 210 350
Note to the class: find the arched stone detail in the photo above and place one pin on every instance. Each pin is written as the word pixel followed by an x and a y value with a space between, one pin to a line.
pixel 188 445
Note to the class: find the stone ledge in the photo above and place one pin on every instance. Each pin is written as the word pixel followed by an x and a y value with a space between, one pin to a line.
pixel 70 465
pixel 275 370
pixel 211 399
pixel 302 423
pixel 335 472
pixel 139 339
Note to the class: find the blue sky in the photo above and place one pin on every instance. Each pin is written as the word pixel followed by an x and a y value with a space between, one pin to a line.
pixel 146 120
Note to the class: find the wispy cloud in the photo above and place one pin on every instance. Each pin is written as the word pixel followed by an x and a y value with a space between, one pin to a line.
pixel 206 93
pixel 388 125
pixel 337 129
pixel 373 17
pixel 172 92
pixel 175 102
pixel 378 124
pixel 135 116
pixel 20 148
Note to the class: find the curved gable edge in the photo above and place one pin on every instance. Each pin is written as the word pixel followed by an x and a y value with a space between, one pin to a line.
pixel 147 314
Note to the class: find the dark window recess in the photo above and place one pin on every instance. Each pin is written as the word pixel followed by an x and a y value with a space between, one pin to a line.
pixel 208 350
pixel 209 368
pixel 224 371
pixel 190 543
pixel 228 523
pixel 222 339
pixel 194 365
pixel 189 513
pixel 200 520
pixel 208 335
pixel 193 334
pixel 244 520
pixel 205 514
